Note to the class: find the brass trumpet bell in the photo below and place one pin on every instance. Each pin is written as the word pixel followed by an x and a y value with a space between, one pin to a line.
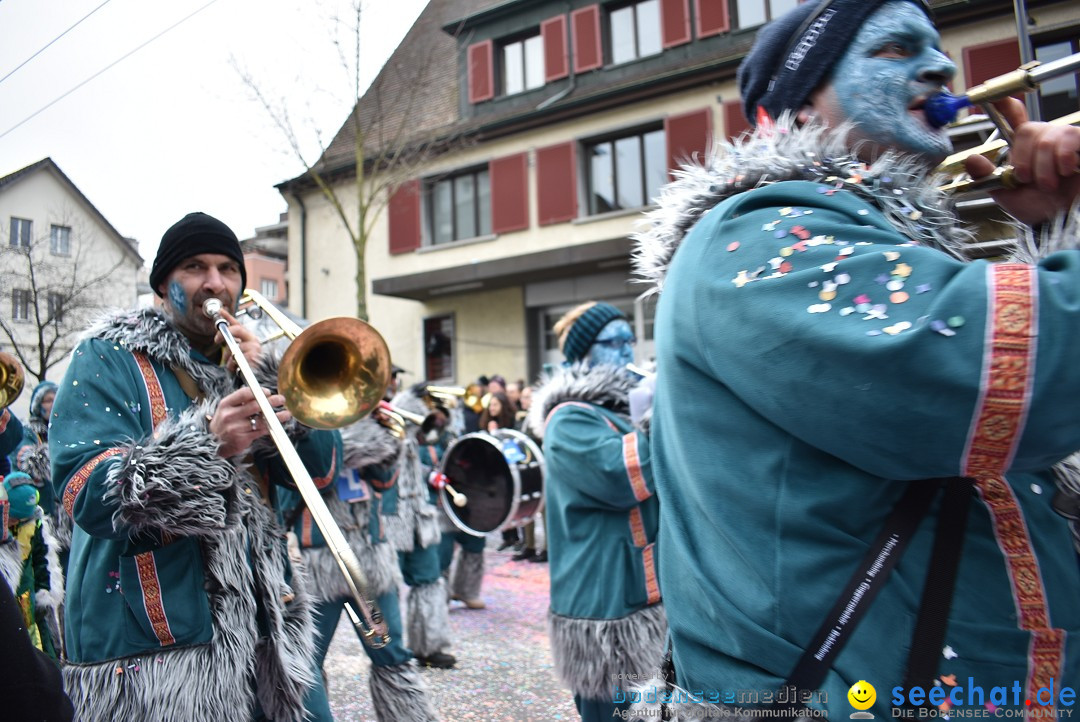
pixel 12 379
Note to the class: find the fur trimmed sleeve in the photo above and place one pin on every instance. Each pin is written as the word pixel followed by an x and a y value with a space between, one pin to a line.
pixel 174 483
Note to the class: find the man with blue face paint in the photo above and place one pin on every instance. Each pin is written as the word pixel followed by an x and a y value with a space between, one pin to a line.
pixel 606 621
pixel 827 356
pixel 181 602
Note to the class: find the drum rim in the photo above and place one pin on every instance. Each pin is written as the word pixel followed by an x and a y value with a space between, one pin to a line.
pixel 515 474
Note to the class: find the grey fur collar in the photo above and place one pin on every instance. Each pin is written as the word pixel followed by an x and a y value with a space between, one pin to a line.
pixel 601 385
pixel 149 331
pixel 793 153
pixel 368 443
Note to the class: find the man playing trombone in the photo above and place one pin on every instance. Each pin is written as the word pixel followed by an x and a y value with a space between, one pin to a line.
pixel 181 601
pixel 839 388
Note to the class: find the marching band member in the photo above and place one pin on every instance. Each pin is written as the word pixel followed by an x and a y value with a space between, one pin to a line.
pixel 411 525
pixel 181 602
pixel 606 620
pixel 827 358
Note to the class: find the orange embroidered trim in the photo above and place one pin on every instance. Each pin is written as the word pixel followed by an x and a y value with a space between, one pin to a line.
pixel 78 481
pixel 637 528
pixel 322 481
pixel 5 415
pixel 651 585
pixel 1046 654
pixel 1007 370
pixel 633 466
pixel 151 594
pixel 158 410
pixel 305 528
pixel 1008 375
pixel 386 485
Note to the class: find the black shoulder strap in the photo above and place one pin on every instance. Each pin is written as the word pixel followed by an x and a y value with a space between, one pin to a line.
pixel 865 584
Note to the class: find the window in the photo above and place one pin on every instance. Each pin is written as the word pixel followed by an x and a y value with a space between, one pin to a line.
pixel 750 13
pixel 60 240
pixel 460 206
pixel 20 304
pixel 522 65
pixel 21 230
pixel 56 307
pixel 626 172
pixel 439 347
pixel 634 31
pixel 268 287
pixel 1058 96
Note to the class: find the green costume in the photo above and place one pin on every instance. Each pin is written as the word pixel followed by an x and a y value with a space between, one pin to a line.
pixel 821 345
pixel 606 621
pixel 178 577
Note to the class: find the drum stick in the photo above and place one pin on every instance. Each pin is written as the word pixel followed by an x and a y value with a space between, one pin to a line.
pixel 459 499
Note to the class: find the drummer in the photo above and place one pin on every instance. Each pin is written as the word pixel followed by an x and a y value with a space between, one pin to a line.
pixel 601 514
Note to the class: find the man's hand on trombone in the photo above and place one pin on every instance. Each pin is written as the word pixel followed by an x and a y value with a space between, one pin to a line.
pixel 1046 162
pixel 245 337
pixel 238 421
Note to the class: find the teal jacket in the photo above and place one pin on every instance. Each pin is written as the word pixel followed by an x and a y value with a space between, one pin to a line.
pixel 135 465
pixel 600 505
pixel 11 432
pixel 819 349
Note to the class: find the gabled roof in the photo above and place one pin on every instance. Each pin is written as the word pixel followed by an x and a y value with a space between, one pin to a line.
pixel 47 164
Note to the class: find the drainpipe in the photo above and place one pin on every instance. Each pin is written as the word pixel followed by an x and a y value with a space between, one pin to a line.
pixel 1031 100
pixel 303 254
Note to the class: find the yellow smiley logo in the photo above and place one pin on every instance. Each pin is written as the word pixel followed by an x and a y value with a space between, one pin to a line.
pixel 862 695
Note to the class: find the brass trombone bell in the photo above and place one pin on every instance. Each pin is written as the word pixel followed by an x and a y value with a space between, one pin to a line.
pixel 451 395
pixel 334 372
pixel 12 379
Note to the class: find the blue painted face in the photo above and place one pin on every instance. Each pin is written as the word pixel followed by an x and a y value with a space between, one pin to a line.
pixel 882 80
pixel 614 345
pixel 177 297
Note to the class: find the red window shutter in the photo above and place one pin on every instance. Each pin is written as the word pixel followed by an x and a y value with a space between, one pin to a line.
pixel 510 193
pixel 404 218
pixel 688 135
pixel 712 17
pixel 675 22
pixel 588 54
pixel 982 62
pixel 556 180
pixel 734 120
pixel 481 72
pixel 556 62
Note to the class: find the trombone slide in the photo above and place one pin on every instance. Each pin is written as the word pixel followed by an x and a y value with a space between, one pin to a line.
pixel 370 620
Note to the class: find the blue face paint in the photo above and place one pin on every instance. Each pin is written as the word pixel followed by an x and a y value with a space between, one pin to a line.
pixel 894 61
pixel 614 345
pixel 177 297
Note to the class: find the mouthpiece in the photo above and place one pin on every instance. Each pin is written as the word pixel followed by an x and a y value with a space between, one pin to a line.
pixel 211 307
pixel 942 108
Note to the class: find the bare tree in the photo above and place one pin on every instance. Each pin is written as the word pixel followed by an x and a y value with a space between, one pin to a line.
pixel 55 284
pixel 388 147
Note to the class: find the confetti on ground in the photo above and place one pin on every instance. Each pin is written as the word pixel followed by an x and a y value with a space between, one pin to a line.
pixel 504 671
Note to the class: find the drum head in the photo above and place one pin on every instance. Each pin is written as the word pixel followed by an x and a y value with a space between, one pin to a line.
pixel 478 469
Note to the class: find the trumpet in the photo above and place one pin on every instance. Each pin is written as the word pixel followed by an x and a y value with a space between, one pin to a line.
pixel 12 379
pixel 318 377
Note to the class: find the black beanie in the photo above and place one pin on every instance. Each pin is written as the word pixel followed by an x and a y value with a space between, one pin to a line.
pixel 793 54
pixel 193 234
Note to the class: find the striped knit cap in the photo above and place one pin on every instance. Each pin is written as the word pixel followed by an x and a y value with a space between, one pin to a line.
pixel 586 328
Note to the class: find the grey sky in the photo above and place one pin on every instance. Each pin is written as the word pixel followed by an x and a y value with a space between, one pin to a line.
pixel 173 128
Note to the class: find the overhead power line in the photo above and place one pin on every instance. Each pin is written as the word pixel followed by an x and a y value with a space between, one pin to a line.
pixel 107 67
pixel 42 50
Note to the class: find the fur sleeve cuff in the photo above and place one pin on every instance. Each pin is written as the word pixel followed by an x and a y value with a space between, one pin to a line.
pixel 174 482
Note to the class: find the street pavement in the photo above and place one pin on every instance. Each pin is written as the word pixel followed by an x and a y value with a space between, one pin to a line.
pixel 504 671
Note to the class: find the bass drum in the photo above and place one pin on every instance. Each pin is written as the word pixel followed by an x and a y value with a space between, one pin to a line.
pixel 500 474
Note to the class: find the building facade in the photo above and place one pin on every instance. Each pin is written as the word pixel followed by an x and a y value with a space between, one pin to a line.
pixel 61 263
pixel 559 120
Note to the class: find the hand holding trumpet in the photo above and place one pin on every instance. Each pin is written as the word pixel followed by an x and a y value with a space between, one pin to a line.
pixel 1046 165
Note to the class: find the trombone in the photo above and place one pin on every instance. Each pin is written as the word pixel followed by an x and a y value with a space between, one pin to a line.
pixel 12 379
pixel 319 378
pixel 941 109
